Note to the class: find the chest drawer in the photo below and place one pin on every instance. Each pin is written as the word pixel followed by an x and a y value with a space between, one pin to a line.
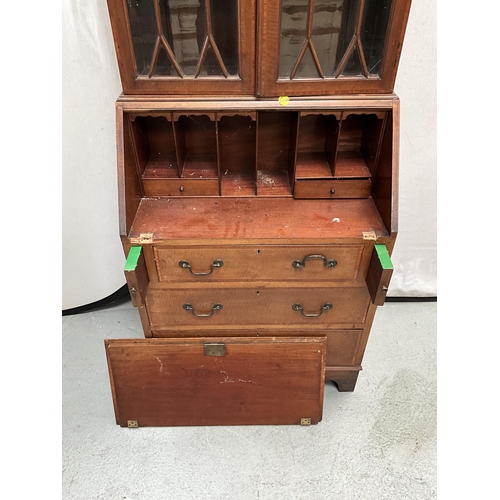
pixel 262 263
pixel 341 347
pixel 250 307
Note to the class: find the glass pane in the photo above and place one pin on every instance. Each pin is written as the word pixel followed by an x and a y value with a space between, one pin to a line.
pixel 185 27
pixel 225 32
pixel 353 66
pixel 185 30
pixel 350 14
pixel 144 33
pixel 163 66
pixel 293 35
pixel 329 31
pixel 327 22
pixel 307 68
pixel 211 66
pixel 373 32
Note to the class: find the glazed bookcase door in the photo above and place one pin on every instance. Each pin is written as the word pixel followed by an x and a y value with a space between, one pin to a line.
pixel 179 47
pixel 326 47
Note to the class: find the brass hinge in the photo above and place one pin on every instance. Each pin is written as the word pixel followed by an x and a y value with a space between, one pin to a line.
pixel 305 421
pixel 143 238
pixel 132 424
pixel 370 235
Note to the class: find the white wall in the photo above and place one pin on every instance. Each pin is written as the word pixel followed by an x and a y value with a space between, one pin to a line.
pixel 92 255
pixel 415 253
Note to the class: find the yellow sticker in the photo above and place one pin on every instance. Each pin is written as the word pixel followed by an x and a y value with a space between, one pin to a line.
pixel 284 100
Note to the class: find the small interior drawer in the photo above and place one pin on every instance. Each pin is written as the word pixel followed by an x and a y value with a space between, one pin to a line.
pixel 332 188
pixel 262 263
pixel 217 381
pixel 181 187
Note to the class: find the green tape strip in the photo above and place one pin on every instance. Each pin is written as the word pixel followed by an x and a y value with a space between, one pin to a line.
pixel 383 257
pixel 133 258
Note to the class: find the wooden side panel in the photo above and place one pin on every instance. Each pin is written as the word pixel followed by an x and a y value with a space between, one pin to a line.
pixel 140 139
pixel 385 181
pixel 137 280
pixel 172 382
pixel 342 347
pixel 237 154
pixel 370 142
pixel 129 183
pixel 379 275
pixel 143 315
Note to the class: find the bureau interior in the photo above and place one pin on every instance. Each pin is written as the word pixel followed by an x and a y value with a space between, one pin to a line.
pixel 258 153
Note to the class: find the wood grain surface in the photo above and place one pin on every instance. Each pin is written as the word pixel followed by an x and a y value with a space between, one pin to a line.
pixel 255 218
pixel 258 381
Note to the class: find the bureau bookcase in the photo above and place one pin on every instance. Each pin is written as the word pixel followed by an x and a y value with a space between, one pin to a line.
pixel 258 149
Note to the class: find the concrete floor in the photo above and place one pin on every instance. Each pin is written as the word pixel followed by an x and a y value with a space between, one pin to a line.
pixel 378 442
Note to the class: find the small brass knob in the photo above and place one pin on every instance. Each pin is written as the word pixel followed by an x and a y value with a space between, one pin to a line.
pixel 181 189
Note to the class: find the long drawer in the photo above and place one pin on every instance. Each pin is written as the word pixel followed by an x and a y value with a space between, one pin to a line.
pixel 341 350
pixel 254 262
pixel 249 307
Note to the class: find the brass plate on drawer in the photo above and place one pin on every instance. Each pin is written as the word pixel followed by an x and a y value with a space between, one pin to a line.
pixel 214 349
